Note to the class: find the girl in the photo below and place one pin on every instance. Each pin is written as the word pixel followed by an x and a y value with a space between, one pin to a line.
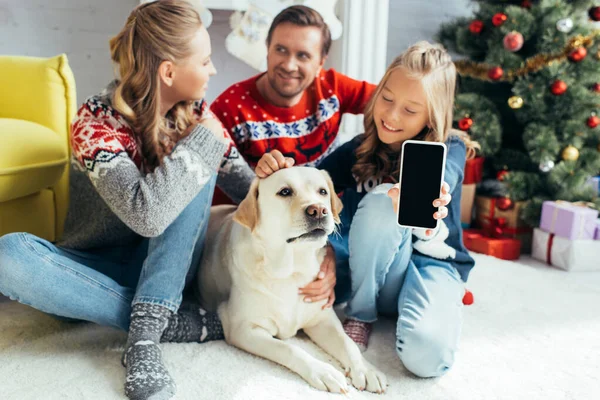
pixel 381 268
pixel 145 160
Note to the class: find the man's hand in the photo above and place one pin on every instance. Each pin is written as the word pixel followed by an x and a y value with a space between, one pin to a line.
pixel 442 202
pixel 323 286
pixel 271 162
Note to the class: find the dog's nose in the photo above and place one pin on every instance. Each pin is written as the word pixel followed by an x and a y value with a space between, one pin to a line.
pixel 316 211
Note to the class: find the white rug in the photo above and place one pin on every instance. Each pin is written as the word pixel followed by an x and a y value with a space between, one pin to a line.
pixel 533 333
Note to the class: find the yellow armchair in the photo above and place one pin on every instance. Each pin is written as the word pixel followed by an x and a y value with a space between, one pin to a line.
pixel 37 105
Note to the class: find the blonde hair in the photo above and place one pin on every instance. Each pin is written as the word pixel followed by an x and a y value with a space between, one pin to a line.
pixel 432 65
pixel 154 32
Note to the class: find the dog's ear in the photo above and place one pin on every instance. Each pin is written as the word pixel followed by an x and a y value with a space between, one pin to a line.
pixel 247 212
pixel 336 203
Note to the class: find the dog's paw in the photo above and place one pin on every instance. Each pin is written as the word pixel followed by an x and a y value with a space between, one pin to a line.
pixel 366 376
pixel 325 377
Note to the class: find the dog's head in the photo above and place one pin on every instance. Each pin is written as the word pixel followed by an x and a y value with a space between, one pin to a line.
pixel 292 206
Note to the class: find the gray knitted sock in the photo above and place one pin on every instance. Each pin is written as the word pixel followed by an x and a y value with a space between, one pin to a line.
pixel 147 378
pixel 193 324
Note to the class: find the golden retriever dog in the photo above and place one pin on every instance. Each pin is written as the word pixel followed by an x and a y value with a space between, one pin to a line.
pixel 255 259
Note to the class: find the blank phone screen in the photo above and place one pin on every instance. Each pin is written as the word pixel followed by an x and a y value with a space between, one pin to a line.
pixel 420 183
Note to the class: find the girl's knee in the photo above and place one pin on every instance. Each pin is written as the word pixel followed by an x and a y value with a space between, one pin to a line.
pixel 376 210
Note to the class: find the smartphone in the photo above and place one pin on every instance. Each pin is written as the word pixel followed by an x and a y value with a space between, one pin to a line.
pixel 421 176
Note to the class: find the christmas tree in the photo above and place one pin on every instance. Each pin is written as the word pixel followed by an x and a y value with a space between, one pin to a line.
pixel 529 92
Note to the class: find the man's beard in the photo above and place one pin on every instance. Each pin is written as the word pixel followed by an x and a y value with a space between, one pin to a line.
pixel 285 94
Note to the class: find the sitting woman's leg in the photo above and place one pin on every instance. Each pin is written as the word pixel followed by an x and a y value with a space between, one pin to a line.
pixel 430 317
pixel 379 253
pixel 70 284
pixel 158 296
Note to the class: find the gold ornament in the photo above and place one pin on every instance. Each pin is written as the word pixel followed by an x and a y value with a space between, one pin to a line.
pixel 570 153
pixel 532 64
pixel 515 102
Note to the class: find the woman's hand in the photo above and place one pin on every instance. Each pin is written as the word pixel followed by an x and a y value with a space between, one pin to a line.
pixel 271 162
pixel 442 202
pixel 323 286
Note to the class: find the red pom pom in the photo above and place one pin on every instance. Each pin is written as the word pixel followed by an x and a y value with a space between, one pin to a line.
pixel 558 87
pixel 468 298
pixel 499 18
pixel 495 73
pixel 578 54
pixel 476 27
pixel 596 87
pixel 593 121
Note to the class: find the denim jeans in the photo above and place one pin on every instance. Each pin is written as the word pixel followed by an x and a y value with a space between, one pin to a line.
pixel 102 285
pixel 379 274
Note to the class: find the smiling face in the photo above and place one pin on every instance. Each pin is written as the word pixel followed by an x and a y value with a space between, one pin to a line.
pixel 400 112
pixel 293 61
pixel 292 207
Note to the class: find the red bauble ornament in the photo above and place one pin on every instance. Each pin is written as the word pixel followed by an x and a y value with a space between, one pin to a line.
pixel 526 4
pixel 495 73
pixel 513 41
pixel 468 298
pixel 476 27
pixel 558 87
pixel 499 18
pixel 500 174
pixel 596 87
pixel 593 121
pixel 578 54
pixel 465 124
pixel 504 204
pixel 594 13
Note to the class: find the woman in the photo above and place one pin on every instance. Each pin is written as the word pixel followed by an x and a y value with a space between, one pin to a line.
pixel 145 158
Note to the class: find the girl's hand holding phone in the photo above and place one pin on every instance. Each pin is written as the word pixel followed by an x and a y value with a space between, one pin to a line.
pixel 442 202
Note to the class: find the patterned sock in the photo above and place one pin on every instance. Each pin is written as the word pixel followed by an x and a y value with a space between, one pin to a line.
pixel 147 377
pixel 193 324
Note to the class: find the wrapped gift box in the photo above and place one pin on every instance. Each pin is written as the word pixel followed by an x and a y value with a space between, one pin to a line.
pixel 467 198
pixel 503 223
pixel 504 248
pixel 570 255
pixel 473 170
pixel 472 176
pixel 568 221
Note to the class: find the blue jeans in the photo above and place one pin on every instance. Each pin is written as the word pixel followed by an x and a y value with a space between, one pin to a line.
pixel 379 274
pixel 102 285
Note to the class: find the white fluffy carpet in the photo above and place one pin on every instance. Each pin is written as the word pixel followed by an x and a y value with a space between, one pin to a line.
pixel 533 333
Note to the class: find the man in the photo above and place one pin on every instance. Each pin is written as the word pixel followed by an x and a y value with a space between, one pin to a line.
pixel 295 107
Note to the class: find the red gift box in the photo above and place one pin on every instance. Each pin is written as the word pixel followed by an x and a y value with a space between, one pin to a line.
pixel 473 170
pixel 499 223
pixel 504 248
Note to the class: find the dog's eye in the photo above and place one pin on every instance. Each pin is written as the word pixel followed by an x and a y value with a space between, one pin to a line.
pixel 323 192
pixel 285 192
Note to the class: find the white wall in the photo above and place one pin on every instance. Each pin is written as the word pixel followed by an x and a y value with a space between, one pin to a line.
pixel 82 28
pixel 414 20
pixel 79 28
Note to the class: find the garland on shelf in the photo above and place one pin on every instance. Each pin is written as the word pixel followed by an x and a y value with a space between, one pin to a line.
pixel 533 64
